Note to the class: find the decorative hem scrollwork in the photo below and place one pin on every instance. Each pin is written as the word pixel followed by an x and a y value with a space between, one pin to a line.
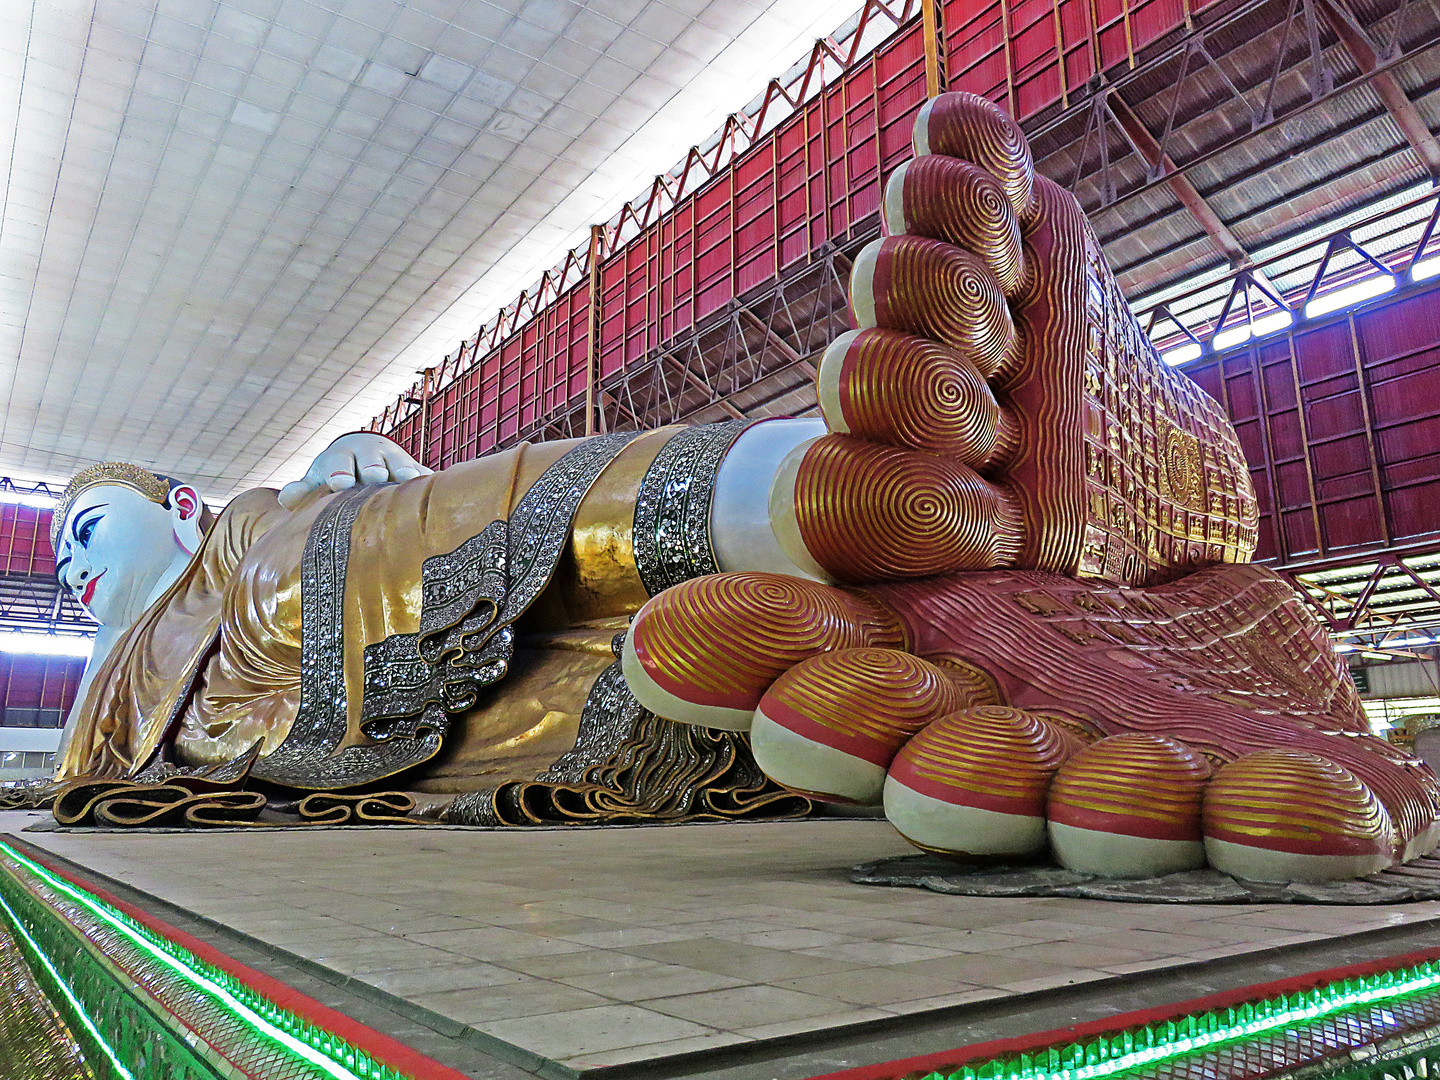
pixel 413 682
pixel 630 766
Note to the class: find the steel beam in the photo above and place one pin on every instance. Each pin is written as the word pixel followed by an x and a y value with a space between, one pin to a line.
pixel 1358 44
pixel 1145 145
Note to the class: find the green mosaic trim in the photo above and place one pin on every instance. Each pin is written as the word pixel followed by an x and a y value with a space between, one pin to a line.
pixel 1144 1050
pixel 116 982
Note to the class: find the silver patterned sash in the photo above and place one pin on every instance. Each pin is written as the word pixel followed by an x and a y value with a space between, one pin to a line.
pixel 672 511
pixel 413 682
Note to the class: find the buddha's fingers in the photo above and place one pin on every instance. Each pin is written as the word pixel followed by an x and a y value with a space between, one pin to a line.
pixel 706 651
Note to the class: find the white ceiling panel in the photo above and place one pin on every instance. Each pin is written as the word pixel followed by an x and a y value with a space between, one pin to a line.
pixel 232 230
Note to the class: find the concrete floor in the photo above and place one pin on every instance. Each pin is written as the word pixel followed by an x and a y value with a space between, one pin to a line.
pixel 605 948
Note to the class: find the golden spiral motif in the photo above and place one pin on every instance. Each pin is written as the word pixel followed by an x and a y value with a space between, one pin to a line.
pixel 952 200
pixel 1135 784
pixel 908 391
pixel 1297 802
pixel 967 126
pixel 723 639
pixel 992 757
pixel 936 290
pixel 866 702
pixel 868 511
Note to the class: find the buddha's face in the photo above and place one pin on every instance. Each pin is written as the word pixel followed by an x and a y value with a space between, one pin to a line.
pixel 116 545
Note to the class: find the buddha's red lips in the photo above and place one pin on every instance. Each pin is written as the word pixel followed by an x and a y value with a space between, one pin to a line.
pixel 89 593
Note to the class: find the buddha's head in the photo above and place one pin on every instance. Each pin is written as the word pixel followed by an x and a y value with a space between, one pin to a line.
pixel 117 531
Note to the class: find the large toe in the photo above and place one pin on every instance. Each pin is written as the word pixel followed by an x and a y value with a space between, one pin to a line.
pixel 705 651
pixel 973 784
pixel 1289 815
pixel 857 511
pixel 952 200
pixel 969 127
pixel 939 291
pixel 1129 807
pixel 830 726
pixel 892 387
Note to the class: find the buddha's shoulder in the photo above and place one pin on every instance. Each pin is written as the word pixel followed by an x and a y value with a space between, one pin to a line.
pixel 261 500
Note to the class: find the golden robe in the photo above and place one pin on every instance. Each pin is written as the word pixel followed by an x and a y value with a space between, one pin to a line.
pixel 223 663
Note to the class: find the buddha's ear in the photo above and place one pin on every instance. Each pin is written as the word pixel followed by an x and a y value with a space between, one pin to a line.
pixel 186 511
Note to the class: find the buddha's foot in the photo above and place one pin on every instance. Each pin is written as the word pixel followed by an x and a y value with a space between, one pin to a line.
pixel 1132 732
pixel 998 404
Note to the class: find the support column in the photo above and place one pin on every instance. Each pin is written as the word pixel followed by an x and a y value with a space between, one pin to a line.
pixel 592 335
pixel 426 384
pixel 930 25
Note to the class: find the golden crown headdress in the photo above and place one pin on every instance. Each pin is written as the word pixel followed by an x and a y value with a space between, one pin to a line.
pixel 152 486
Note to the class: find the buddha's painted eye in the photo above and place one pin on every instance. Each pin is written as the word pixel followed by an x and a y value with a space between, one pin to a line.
pixel 83 527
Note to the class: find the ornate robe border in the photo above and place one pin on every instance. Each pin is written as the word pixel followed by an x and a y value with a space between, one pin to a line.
pixel 672 511
pixel 412 682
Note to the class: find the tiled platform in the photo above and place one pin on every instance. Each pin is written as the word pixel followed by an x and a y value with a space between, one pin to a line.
pixel 602 947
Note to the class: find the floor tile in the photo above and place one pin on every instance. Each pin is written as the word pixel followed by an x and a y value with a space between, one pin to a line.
pixel 968 940
pixel 985 969
pixel 625 936
pixel 793 938
pixel 438 978
pixel 946 1001
pixel 629 1054
pixel 586 962
pixel 1081 954
pixel 533 997
pixel 1153 942
pixel 781 1028
pixel 877 953
pixel 595 1030
pixel 652 981
pixel 878 986
pixel 745 1006
pixel 747 962
pixel 496 943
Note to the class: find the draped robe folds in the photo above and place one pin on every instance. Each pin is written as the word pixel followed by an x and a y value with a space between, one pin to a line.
pixel 214 667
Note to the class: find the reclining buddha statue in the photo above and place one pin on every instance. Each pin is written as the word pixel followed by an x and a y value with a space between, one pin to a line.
pixel 1001 588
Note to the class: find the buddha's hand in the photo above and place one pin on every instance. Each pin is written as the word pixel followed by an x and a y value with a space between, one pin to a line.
pixel 361 457
pixel 1000 413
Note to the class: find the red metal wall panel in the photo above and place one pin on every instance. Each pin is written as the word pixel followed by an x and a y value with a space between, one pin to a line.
pixel 37 691
pixel 1029 55
pixel 508 393
pixel 1341 426
pixel 25 540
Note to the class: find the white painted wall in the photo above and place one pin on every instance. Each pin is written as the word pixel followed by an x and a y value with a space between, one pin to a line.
pixel 46 740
